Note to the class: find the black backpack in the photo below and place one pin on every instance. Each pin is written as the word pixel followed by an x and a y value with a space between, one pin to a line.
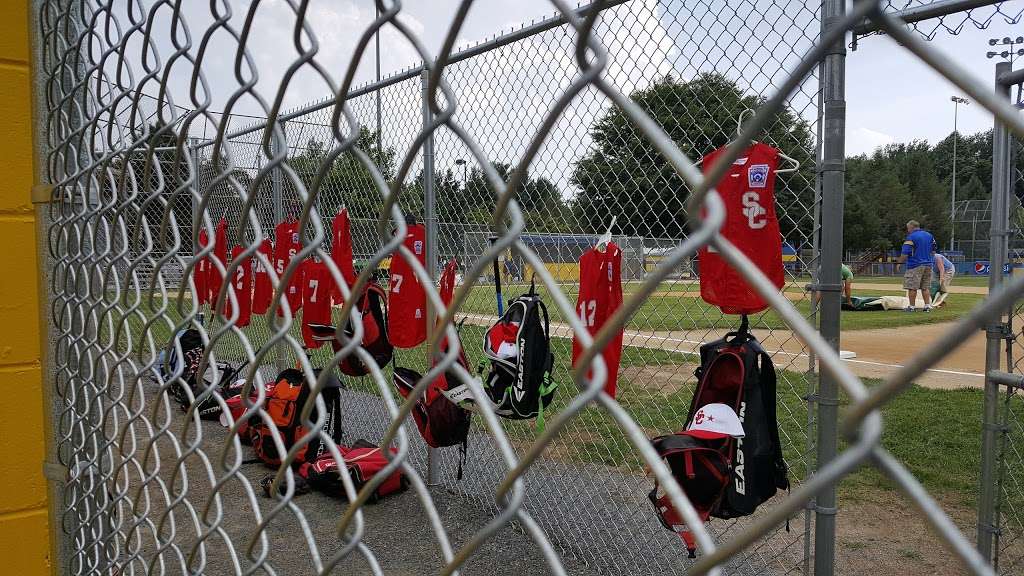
pixel 373 311
pixel 518 346
pixel 284 404
pixel 192 348
pixel 737 372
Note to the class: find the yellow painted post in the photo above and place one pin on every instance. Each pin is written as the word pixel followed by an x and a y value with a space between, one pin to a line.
pixel 24 537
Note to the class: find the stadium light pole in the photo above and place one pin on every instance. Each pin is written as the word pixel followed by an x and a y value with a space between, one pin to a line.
pixel 462 162
pixel 957 101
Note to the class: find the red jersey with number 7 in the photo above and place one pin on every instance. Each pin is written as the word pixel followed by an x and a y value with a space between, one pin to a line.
pixel 317 292
pixel 241 282
pixel 407 300
pixel 748 191
pixel 263 289
pixel 599 297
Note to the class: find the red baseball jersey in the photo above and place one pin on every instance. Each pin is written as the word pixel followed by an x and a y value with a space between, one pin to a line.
pixel 201 273
pixel 286 245
pixel 600 296
pixel 241 282
pixel 446 286
pixel 748 191
pixel 407 300
pixel 220 253
pixel 341 246
pixel 263 289
pixel 318 291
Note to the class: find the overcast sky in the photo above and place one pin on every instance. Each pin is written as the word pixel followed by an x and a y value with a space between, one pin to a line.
pixel 891 95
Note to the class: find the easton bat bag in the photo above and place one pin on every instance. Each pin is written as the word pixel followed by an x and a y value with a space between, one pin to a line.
pixel 518 347
pixel 737 372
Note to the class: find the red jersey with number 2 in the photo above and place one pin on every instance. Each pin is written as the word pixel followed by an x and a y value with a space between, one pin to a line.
pixel 317 292
pixel 748 191
pixel 407 300
pixel 263 289
pixel 600 296
pixel 241 281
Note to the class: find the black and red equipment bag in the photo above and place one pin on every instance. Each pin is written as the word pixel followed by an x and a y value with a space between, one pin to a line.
pixel 363 461
pixel 737 372
pixel 373 313
pixel 701 467
pixel 284 405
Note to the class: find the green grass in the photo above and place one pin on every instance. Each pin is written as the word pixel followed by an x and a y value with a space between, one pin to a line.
pixel 677 307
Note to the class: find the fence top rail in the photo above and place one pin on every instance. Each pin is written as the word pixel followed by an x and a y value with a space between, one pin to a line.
pixel 936 9
pixel 525 31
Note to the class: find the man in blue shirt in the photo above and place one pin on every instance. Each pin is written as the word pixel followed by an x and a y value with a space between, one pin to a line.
pixel 917 252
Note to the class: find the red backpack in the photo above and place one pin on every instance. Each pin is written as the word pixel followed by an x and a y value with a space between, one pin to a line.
pixel 374 312
pixel 284 405
pixel 439 419
pixel 363 461
pixel 702 469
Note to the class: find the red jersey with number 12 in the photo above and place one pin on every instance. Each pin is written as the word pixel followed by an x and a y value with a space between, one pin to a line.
pixel 317 292
pixel 242 284
pixel 407 300
pixel 600 296
pixel 748 191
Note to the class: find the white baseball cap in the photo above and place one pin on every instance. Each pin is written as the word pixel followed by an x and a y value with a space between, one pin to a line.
pixel 714 421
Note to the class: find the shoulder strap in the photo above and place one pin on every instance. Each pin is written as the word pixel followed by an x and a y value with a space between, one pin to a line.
pixel 768 396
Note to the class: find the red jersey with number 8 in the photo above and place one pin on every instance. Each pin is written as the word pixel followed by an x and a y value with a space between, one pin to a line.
pixel 748 191
pixel 600 296
pixel 407 300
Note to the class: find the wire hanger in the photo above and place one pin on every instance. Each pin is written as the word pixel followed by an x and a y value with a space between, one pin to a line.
pixel 794 163
pixel 602 242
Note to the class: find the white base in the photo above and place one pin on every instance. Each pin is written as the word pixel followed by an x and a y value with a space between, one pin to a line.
pixel 847 354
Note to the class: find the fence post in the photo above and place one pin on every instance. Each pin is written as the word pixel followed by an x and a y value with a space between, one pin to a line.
pixel 995 330
pixel 832 169
pixel 277 144
pixel 430 223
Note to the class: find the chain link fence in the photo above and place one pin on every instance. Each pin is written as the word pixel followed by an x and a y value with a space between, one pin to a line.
pixel 531 144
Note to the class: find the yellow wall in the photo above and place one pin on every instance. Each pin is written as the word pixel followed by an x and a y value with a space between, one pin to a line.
pixel 24 541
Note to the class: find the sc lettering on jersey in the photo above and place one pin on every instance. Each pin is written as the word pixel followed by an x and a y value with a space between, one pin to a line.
pixel 754 211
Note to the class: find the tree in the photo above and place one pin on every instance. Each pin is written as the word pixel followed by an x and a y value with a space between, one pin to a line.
pixel 348 181
pixel 624 174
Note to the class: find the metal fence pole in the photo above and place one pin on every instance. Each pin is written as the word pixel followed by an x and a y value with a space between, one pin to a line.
pixel 430 222
pixel 279 143
pixel 995 330
pixel 832 169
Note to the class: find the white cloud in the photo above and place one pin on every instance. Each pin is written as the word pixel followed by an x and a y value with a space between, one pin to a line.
pixel 861 140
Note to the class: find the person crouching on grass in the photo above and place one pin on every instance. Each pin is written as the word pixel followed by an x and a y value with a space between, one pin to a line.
pixel 943 271
pixel 917 252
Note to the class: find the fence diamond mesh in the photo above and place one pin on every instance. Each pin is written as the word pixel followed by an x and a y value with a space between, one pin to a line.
pixel 530 145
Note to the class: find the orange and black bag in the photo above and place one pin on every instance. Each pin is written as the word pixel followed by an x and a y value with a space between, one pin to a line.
pixel 284 405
